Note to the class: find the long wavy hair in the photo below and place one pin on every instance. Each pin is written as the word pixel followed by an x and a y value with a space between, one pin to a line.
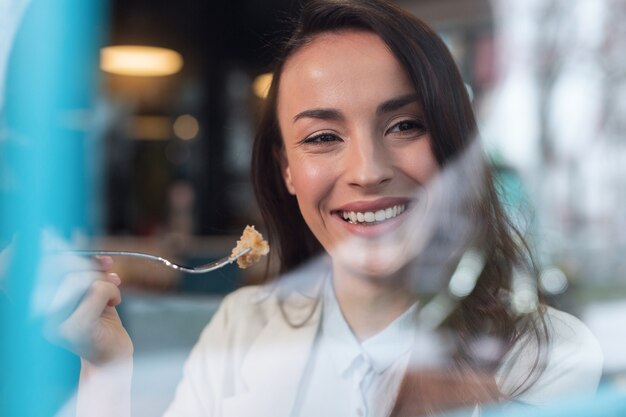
pixel 452 126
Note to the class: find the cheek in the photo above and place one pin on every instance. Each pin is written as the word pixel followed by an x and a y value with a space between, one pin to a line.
pixel 419 163
pixel 313 182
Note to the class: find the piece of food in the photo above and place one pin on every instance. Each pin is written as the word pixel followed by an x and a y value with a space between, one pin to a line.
pixel 252 239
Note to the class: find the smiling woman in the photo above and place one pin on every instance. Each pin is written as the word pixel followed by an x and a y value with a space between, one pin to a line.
pixel 369 176
pixel 374 161
pixel 346 154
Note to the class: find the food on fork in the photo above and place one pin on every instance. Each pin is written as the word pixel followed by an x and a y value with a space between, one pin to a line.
pixel 252 239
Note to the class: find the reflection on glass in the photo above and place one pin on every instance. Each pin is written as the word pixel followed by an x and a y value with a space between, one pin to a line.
pixel 424 262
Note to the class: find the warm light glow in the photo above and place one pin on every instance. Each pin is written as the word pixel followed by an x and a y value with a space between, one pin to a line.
pixel 150 128
pixel 261 85
pixel 140 60
pixel 186 127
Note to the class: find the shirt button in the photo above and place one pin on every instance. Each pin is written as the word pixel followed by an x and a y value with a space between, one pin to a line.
pixel 359 412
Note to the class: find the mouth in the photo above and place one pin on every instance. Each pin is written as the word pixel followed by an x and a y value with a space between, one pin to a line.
pixel 373 217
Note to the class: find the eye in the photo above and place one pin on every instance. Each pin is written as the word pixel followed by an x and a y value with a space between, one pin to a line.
pixel 321 138
pixel 408 127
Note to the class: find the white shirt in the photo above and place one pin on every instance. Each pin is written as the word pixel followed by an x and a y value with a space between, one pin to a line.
pixel 250 361
pixel 347 378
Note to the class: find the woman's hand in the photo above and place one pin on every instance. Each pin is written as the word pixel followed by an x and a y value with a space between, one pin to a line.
pixel 94 330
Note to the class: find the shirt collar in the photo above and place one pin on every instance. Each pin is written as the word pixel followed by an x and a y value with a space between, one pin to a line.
pixel 343 346
pixel 387 346
pixel 380 350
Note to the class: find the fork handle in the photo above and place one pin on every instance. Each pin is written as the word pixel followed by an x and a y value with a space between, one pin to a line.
pixel 191 270
pixel 134 255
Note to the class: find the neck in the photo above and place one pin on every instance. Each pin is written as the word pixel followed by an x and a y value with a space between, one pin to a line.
pixel 369 304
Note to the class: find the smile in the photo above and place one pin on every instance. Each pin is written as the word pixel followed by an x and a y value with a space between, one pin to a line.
pixel 358 217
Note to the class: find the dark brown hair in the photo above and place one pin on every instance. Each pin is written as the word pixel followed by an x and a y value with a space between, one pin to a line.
pixel 452 127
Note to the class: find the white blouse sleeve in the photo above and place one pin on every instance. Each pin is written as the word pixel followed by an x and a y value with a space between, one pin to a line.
pixel 573 363
pixel 196 393
pixel 211 371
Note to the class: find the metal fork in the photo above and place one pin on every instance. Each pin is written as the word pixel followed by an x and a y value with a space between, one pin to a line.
pixel 201 269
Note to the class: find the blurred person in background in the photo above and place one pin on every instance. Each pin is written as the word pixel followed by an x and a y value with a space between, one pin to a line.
pixel 373 188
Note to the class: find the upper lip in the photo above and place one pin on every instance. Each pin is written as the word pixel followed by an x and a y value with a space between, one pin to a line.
pixel 373 205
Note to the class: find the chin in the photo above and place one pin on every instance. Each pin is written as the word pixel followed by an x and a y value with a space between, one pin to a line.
pixel 374 260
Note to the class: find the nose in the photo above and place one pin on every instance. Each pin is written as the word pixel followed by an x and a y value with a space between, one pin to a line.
pixel 368 163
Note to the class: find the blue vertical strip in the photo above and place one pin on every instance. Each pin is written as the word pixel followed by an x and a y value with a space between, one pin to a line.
pixel 51 86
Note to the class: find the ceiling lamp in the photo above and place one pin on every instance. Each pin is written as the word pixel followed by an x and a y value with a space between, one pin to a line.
pixel 261 85
pixel 147 61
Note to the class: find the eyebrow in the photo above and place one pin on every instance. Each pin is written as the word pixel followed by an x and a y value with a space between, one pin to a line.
pixel 324 114
pixel 332 114
pixel 397 103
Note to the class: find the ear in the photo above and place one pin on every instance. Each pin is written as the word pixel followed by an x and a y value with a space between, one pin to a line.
pixel 285 170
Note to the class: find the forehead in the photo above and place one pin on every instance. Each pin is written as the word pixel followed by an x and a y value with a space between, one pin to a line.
pixel 340 69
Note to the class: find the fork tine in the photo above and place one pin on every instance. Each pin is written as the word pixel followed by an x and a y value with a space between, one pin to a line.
pixel 201 269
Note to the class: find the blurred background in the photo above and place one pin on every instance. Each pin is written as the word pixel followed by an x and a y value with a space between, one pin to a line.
pixel 157 142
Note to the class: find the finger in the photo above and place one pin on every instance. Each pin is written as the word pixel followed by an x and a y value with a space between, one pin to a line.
pixel 100 295
pixel 105 263
pixel 70 292
pixel 113 302
pixel 113 278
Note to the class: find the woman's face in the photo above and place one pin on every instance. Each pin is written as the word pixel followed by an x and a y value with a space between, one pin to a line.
pixel 356 149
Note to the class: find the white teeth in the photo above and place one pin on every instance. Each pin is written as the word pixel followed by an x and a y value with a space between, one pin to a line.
pixel 371 216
